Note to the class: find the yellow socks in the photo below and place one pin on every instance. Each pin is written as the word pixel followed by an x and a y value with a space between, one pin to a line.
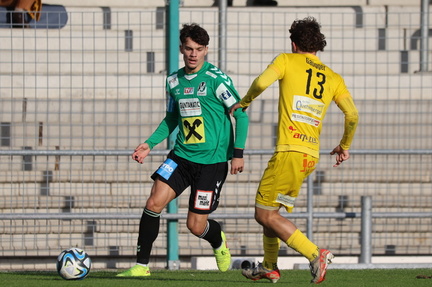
pixel 271 252
pixel 300 243
pixel 297 241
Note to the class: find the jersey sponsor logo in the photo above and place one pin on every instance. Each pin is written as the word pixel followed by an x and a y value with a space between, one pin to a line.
pixel 305 138
pixel 188 91
pixel 308 165
pixel 190 107
pixel 225 96
pixel 202 89
pixel 305 119
pixel 203 200
pixel 285 200
pixel 173 81
pixel 167 168
pixel 305 104
pixel 193 129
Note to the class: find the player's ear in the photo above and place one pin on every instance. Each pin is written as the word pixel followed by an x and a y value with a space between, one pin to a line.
pixel 293 47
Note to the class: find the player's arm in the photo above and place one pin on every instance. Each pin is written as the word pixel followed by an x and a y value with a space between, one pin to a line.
pixel 165 128
pixel 262 82
pixel 346 104
pixel 241 131
pixel 241 124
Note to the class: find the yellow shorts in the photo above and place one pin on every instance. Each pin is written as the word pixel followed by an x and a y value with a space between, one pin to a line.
pixel 282 179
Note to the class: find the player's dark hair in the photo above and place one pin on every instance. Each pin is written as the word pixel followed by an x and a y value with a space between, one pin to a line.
pixel 306 34
pixel 196 33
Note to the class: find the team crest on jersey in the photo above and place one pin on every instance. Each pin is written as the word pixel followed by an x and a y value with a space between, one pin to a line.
pixel 188 91
pixel 193 130
pixel 202 89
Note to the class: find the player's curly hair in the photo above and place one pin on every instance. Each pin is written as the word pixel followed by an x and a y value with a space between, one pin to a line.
pixel 306 34
pixel 196 33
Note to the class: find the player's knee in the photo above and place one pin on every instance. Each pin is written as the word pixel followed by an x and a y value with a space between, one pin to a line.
pixel 154 206
pixel 261 220
pixel 265 217
pixel 195 229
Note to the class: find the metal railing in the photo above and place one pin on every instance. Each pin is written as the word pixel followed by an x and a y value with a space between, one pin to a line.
pixel 366 215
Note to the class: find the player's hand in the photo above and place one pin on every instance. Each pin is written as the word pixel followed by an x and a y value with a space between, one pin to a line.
pixel 237 165
pixel 141 152
pixel 235 107
pixel 341 155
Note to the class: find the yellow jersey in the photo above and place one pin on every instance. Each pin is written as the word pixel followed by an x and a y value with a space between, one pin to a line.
pixel 306 89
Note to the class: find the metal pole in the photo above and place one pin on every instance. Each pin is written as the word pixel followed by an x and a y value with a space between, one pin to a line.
pixel 366 230
pixel 222 35
pixel 173 43
pixel 309 228
pixel 424 40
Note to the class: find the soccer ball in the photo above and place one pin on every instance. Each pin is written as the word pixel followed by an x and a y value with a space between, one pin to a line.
pixel 73 264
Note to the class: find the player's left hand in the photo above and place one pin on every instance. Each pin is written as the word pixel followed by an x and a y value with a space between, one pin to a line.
pixel 341 155
pixel 141 152
pixel 235 107
pixel 237 165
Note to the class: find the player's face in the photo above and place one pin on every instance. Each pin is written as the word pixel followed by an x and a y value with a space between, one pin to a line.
pixel 193 55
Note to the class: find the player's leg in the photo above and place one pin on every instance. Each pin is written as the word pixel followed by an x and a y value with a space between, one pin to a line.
pixel 161 195
pixel 204 199
pixel 300 166
pixel 210 230
pixel 170 179
pixel 268 268
pixel 276 225
pixel 202 227
pixel 279 186
pixel 271 245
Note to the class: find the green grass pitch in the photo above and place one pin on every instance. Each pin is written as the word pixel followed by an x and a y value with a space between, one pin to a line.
pixel 189 278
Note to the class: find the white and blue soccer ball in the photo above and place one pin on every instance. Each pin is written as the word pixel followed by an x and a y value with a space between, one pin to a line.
pixel 73 264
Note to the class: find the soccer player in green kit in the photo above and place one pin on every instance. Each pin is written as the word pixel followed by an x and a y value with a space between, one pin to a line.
pixel 199 98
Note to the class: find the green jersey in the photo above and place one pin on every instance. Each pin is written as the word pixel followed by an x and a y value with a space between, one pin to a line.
pixel 198 104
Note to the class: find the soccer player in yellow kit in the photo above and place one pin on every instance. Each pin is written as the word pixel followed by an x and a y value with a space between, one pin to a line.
pixel 306 89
